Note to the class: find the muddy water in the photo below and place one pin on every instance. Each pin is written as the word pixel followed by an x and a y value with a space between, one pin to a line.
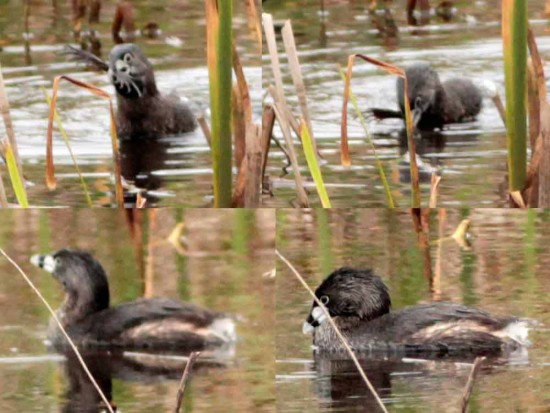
pixel 177 171
pixel 470 157
pixel 219 266
pixel 505 271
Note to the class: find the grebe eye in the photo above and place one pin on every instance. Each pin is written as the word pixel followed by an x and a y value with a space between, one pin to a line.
pixel 324 299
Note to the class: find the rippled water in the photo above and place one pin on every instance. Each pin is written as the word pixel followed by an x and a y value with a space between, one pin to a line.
pixel 218 266
pixel 505 271
pixel 470 157
pixel 179 171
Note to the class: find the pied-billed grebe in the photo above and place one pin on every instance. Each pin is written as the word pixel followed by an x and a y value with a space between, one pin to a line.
pixel 360 304
pixel 155 324
pixel 143 112
pixel 433 103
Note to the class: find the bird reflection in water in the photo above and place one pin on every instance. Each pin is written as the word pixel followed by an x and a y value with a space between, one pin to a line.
pixel 340 387
pixel 139 161
pixel 81 395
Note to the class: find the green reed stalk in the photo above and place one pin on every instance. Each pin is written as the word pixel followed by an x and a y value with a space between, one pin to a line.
pixel 219 51
pixel 514 38
pixel 17 181
pixel 314 169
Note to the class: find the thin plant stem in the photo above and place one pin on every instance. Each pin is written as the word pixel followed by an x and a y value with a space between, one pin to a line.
pixel 69 148
pixel 5 112
pixel 336 330
pixel 370 141
pixel 185 378
pixel 470 384
pixel 3 199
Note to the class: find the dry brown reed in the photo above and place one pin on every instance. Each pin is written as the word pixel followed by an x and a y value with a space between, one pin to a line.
pixel 50 170
pixel 470 384
pixel 284 115
pixel 185 378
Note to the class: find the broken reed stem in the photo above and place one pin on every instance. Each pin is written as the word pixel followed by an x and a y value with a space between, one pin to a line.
pixel 5 110
pixel 500 107
pixel 3 198
pixel 268 122
pixel 254 20
pixel 242 84
pixel 336 330
pixel 533 106
pixel 436 285
pixel 254 157
pixel 538 66
pixel 434 189
pixel 149 265
pixel 302 194
pixel 277 92
pixel 269 30
pixel 185 378
pixel 54 316
pixel 421 224
pixel 238 127
pixel 297 79
pixel 205 130
pixel 140 201
pixel 242 108
pixel 538 177
pixel 288 113
pixel 470 384
pixel 517 199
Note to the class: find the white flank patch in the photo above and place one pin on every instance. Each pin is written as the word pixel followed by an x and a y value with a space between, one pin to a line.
pixel 518 331
pixel 224 328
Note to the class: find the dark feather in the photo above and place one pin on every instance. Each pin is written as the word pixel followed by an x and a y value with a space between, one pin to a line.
pixel 112 326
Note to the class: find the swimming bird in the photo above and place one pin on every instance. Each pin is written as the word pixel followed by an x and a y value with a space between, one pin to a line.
pixel 433 103
pixel 154 324
pixel 359 302
pixel 142 111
